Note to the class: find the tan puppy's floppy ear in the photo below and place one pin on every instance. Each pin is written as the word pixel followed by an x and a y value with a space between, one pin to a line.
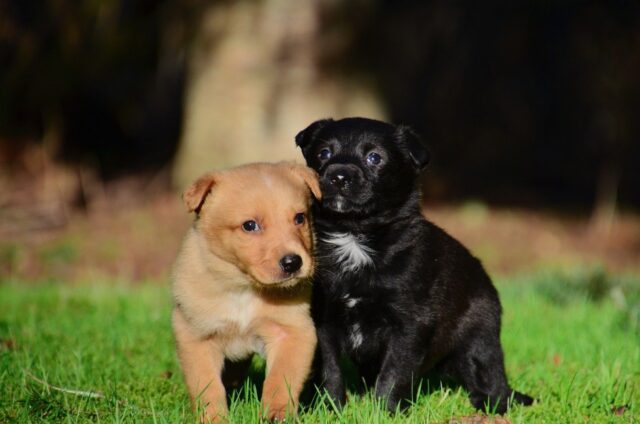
pixel 194 196
pixel 310 178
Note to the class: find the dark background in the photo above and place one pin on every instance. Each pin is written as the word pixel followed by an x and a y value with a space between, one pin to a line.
pixel 531 103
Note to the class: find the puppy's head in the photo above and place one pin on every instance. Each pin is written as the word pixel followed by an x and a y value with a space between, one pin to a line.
pixel 365 166
pixel 256 217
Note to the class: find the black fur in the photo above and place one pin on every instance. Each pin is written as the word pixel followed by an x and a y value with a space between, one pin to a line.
pixel 424 301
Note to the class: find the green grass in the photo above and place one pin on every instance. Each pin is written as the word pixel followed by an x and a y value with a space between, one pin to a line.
pixel 572 341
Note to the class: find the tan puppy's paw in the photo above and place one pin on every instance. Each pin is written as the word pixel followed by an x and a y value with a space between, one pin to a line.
pixel 211 412
pixel 213 417
pixel 277 413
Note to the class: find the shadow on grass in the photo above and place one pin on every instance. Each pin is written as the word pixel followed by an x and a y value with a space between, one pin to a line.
pixel 363 386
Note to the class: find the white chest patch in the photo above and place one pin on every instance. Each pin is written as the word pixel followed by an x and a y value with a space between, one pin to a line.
pixel 355 336
pixel 350 251
pixel 350 301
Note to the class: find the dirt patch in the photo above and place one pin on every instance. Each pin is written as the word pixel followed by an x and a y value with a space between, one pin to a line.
pixel 478 419
pixel 138 241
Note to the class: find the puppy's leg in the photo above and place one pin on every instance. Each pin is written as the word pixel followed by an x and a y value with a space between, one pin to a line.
pixel 481 368
pixel 400 369
pixel 202 363
pixel 330 373
pixel 289 355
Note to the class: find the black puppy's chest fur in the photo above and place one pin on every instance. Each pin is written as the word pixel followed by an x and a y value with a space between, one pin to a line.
pixel 397 292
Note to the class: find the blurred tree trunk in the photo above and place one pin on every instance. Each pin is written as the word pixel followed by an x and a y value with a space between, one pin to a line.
pixel 255 82
pixel 604 211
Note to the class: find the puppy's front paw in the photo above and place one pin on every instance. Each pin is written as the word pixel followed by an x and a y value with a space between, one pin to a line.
pixel 276 413
pixel 213 416
pixel 336 395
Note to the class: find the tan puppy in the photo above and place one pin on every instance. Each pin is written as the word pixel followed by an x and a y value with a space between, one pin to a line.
pixel 241 283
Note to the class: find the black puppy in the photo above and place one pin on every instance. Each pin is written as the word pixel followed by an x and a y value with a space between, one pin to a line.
pixel 392 291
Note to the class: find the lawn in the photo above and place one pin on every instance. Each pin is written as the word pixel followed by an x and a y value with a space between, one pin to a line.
pixel 104 353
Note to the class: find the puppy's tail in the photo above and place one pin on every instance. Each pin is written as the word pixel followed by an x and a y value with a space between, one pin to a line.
pixel 522 398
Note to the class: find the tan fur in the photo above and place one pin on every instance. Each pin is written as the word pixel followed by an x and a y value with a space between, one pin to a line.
pixel 231 298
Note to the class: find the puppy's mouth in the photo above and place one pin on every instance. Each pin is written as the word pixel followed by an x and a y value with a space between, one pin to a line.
pixel 339 203
pixel 347 198
pixel 285 281
pixel 336 203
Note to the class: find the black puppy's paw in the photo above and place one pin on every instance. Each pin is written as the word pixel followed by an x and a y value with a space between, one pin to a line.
pixel 397 406
pixel 498 404
pixel 334 399
pixel 489 404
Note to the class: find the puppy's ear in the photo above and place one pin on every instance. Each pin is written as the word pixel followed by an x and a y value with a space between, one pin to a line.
pixel 417 149
pixel 310 178
pixel 194 196
pixel 305 136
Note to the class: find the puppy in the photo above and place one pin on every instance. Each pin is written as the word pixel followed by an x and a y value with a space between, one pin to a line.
pixel 392 291
pixel 240 284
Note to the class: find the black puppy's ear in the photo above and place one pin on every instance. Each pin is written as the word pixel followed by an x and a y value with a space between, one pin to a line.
pixel 305 136
pixel 417 149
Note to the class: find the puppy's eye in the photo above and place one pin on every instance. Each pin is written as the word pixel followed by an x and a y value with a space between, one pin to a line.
pixel 373 158
pixel 324 154
pixel 299 218
pixel 250 226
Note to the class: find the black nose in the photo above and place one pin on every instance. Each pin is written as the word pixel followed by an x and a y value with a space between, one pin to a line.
pixel 340 179
pixel 290 263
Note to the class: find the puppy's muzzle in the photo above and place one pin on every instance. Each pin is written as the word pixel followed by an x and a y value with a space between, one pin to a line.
pixel 342 176
pixel 290 263
pixel 340 180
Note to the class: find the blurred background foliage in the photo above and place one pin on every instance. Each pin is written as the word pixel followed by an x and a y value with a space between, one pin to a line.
pixel 523 103
pixel 103 79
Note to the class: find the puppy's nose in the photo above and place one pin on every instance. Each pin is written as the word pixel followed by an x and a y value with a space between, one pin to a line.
pixel 340 179
pixel 290 263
